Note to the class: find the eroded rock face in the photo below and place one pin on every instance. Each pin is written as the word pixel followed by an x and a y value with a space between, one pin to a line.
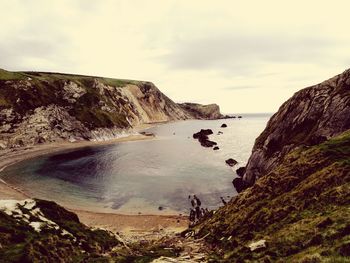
pixel 198 111
pixel 311 116
pixel 38 107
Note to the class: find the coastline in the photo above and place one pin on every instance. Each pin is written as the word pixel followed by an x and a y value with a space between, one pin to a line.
pixel 9 158
pixel 131 226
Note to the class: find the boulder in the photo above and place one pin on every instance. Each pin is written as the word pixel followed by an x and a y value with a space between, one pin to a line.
pixel 261 244
pixel 240 171
pixel 216 148
pixel 207 143
pixel 220 132
pixel 202 133
pixel 239 184
pixel 202 137
pixel 224 125
pixel 231 162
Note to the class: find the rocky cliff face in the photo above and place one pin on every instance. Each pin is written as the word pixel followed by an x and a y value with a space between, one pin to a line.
pixel 38 107
pixel 198 111
pixel 297 207
pixel 311 116
pixel 297 212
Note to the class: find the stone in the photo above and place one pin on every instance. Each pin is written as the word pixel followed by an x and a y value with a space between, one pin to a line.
pixel 240 171
pixel 216 148
pixel 202 132
pixel 239 184
pixel 261 244
pixel 202 137
pixel 231 162
pixel 224 125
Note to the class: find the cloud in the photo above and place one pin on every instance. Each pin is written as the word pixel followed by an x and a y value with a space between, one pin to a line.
pixel 238 88
pixel 245 53
pixel 193 52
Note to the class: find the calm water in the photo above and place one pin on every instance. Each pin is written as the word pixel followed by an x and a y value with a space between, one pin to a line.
pixel 141 176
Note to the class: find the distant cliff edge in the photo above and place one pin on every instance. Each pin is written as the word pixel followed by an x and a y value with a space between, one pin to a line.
pixel 38 107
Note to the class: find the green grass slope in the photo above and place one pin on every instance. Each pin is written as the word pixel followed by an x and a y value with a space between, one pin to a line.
pixel 301 209
pixel 45 89
pixel 19 242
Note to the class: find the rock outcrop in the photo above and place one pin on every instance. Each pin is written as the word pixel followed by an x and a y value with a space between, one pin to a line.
pixel 198 111
pixel 311 116
pixel 37 107
pixel 231 162
pixel 203 138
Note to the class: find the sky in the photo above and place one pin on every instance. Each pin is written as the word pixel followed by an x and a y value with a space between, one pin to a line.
pixel 247 56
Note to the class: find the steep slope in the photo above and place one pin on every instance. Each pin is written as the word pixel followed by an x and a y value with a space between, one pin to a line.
pixel 37 107
pixel 311 116
pixel 297 212
pixel 42 231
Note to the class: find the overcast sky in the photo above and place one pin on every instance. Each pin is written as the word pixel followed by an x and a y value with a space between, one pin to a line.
pixel 246 56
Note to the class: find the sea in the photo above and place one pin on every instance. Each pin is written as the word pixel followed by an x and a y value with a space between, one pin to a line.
pixel 153 176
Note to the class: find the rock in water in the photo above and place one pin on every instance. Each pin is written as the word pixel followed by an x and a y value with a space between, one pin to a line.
pixel 202 133
pixel 203 138
pixel 240 171
pixel 216 148
pixel 231 162
pixel 224 125
pixel 239 184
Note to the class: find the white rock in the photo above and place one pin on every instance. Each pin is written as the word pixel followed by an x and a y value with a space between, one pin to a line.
pixel 258 244
pixel 36 225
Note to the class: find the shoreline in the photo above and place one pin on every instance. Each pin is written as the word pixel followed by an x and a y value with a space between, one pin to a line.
pixel 29 152
pixel 131 226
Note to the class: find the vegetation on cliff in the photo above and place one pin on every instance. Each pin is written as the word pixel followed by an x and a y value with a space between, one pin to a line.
pixel 38 107
pixel 301 209
pixel 42 231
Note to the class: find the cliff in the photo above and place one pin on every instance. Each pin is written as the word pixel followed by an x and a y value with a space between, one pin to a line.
pixel 296 204
pixel 312 115
pixel 198 111
pixel 297 212
pixel 37 107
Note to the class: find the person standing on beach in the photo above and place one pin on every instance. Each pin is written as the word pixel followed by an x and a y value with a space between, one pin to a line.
pixel 198 202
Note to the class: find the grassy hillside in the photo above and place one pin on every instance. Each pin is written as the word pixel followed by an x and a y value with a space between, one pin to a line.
pixel 60 237
pixel 301 209
pixel 45 88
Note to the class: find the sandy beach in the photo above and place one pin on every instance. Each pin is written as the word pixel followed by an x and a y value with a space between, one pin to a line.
pixel 128 226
